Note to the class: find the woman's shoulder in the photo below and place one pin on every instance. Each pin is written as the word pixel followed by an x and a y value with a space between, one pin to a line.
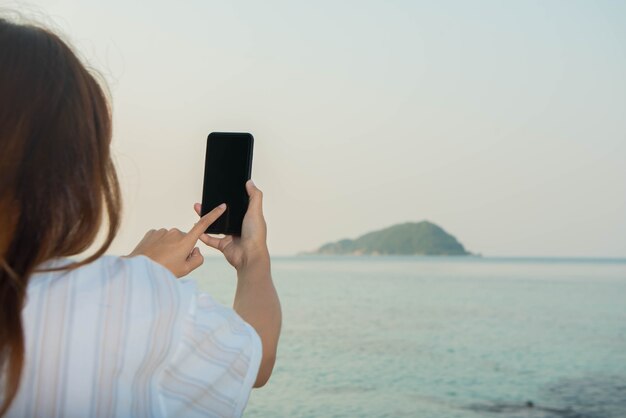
pixel 143 294
pixel 144 287
pixel 141 270
pixel 137 286
pixel 147 294
pixel 134 280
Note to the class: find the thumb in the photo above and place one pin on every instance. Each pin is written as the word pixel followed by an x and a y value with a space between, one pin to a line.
pixel 256 195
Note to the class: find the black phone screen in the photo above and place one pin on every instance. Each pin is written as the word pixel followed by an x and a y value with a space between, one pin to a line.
pixel 228 166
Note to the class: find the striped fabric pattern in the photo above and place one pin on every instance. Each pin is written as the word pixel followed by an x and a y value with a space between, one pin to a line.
pixel 123 337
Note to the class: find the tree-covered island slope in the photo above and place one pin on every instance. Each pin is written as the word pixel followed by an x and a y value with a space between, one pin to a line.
pixel 411 238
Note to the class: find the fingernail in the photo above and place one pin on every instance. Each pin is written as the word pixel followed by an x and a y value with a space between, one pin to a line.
pixel 222 206
pixel 252 183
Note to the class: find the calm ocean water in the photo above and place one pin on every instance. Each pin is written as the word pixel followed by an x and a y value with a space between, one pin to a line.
pixel 443 337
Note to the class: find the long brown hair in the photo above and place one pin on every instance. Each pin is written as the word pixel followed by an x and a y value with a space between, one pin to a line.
pixel 57 179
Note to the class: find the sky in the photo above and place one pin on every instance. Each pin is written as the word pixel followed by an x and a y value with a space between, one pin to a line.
pixel 502 122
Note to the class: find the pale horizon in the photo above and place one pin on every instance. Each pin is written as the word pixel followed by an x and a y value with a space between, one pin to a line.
pixel 502 122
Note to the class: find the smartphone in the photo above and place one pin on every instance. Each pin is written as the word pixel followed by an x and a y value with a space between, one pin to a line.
pixel 227 168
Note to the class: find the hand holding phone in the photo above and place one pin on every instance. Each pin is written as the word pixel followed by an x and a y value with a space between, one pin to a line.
pixel 251 247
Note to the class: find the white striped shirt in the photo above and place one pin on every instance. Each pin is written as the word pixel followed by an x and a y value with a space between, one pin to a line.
pixel 123 337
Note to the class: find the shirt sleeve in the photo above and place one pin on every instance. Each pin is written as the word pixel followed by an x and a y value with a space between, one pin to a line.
pixel 214 365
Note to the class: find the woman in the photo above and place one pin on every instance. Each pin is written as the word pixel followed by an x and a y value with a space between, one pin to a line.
pixel 109 336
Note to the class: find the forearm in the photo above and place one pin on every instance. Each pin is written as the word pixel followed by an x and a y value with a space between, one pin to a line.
pixel 256 301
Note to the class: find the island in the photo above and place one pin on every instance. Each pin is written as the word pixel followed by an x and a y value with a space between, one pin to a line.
pixel 410 238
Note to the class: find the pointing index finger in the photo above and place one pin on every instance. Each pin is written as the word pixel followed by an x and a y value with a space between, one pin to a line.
pixel 205 221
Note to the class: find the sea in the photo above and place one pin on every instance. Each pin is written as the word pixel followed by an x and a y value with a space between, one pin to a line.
pixel 443 337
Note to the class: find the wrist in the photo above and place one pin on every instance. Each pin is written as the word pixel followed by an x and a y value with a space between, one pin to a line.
pixel 257 261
